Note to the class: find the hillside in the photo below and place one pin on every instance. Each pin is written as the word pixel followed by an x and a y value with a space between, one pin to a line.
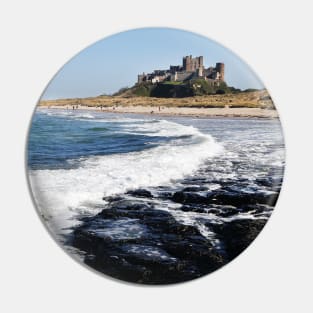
pixel 174 89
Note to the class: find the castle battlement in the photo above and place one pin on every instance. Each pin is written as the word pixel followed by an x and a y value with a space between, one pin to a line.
pixel 190 68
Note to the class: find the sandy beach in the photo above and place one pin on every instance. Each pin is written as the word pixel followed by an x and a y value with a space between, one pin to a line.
pixel 177 111
pixel 244 104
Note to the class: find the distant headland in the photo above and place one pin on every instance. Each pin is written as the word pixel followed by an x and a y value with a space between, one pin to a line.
pixel 187 89
pixel 190 79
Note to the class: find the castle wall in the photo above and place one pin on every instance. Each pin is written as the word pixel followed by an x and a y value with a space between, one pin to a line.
pixel 192 67
pixel 181 76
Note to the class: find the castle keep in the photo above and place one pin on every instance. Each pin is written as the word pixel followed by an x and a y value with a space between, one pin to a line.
pixel 191 68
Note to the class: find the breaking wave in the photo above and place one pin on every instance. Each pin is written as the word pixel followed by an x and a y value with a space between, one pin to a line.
pixel 80 190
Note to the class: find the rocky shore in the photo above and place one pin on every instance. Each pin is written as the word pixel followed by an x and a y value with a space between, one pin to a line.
pixel 165 235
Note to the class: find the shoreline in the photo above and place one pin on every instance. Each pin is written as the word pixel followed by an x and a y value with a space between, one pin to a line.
pixel 222 112
pixel 179 208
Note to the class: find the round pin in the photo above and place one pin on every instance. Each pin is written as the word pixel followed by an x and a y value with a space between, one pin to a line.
pixel 155 156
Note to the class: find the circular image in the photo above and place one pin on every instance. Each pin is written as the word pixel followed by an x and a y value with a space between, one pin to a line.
pixel 155 156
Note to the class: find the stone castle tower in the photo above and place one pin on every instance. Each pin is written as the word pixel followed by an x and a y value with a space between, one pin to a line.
pixel 191 64
pixel 220 67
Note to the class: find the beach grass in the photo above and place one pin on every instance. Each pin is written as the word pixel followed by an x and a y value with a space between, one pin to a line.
pixel 254 99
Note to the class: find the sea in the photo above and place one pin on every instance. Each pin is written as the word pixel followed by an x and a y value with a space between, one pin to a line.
pixel 78 158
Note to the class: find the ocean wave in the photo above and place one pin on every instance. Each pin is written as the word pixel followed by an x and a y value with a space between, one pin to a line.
pixel 81 189
pixel 67 113
pixel 162 128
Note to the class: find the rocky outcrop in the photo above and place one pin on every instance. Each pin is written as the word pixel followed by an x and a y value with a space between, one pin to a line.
pixel 171 236
pixel 134 241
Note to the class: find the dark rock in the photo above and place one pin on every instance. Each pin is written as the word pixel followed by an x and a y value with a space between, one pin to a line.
pixel 228 211
pixel 256 208
pixel 193 208
pixel 144 245
pixel 140 193
pixel 165 195
pixel 118 267
pixel 189 197
pixel 220 210
pixel 214 211
pixel 224 197
pixel 195 189
pixel 238 234
pixel 130 205
pixel 135 240
pixel 269 182
pixel 239 199
pixel 112 198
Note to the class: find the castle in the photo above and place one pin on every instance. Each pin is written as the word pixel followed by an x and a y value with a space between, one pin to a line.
pixel 191 68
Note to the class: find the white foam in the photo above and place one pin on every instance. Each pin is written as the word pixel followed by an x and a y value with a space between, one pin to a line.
pixel 162 128
pixel 85 116
pixel 148 252
pixel 72 191
pixel 68 114
pixel 121 229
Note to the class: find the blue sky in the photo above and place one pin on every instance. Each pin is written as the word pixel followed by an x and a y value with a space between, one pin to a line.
pixel 115 62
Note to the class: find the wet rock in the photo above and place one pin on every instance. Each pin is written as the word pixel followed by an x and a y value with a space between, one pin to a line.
pixel 218 210
pixel 269 181
pixel 112 198
pixel 130 205
pixel 136 239
pixel 195 189
pixel 144 245
pixel 140 193
pixel 224 197
pixel 227 211
pixel 240 199
pixel 256 208
pixel 118 267
pixel 238 234
pixel 214 211
pixel 193 208
pixel 197 250
pixel 165 195
pixel 189 197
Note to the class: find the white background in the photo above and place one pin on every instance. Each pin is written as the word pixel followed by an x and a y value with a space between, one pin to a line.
pixel 274 37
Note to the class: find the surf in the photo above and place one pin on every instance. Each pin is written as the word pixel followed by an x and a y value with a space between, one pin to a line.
pixel 79 190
